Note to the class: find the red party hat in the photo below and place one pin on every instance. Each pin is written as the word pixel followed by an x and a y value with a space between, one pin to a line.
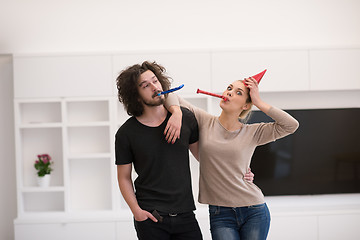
pixel 258 76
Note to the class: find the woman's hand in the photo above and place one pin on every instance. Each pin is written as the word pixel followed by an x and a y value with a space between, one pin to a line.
pixel 253 86
pixel 173 127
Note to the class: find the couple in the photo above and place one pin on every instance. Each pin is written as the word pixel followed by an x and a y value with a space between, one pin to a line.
pixel 156 139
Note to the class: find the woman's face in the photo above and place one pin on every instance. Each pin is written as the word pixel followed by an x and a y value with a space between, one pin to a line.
pixel 237 95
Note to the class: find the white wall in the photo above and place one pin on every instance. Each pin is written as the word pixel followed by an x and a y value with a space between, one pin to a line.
pixel 7 150
pixel 39 26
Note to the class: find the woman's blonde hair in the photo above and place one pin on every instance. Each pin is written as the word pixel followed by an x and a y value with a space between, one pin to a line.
pixel 245 114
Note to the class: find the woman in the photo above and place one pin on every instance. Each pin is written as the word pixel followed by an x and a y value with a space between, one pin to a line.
pixel 237 208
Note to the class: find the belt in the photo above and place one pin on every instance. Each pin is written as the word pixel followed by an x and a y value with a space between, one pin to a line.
pixel 169 214
pixel 159 215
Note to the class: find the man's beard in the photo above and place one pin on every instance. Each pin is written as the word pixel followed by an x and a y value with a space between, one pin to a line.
pixel 154 103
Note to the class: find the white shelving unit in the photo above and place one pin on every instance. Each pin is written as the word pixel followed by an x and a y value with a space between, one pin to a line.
pixel 77 133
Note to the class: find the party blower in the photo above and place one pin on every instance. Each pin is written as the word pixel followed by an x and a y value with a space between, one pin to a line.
pixel 212 94
pixel 171 90
pixel 257 77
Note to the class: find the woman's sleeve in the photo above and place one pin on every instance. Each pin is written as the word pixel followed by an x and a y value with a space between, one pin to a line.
pixel 284 125
pixel 171 100
pixel 174 99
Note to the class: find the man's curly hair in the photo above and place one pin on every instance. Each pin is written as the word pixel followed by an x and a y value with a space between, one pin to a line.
pixel 127 85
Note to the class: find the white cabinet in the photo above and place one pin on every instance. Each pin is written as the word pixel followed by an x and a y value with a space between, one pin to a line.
pixel 336 69
pixel 288 227
pixel 330 229
pixel 62 76
pixel 287 70
pixel 66 231
pixel 189 68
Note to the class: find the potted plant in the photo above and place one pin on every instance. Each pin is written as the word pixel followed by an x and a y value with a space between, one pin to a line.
pixel 43 166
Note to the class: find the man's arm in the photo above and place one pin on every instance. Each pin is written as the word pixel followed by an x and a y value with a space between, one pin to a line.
pixel 127 190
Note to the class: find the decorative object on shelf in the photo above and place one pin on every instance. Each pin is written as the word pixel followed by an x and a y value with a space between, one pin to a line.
pixel 43 167
pixel 44 181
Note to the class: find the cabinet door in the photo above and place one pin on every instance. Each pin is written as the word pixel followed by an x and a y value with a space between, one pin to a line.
pixel 68 231
pixel 344 226
pixel 90 230
pixel 286 70
pixel 126 230
pixel 62 76
pixel 335 69
pixel 293 227
pixel 189 68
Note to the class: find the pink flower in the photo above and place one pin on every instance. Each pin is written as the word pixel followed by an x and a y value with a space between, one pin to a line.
pixel 43 164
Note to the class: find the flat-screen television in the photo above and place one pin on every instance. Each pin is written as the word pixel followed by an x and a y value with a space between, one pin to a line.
pixel 321 157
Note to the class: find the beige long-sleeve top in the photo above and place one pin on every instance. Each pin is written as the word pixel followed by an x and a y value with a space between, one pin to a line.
pixel 225 156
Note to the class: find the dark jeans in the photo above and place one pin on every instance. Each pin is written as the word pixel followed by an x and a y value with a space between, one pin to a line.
pixel 181 227
pixel 240 223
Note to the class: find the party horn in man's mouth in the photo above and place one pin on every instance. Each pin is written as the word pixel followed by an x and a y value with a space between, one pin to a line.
pixel 171 90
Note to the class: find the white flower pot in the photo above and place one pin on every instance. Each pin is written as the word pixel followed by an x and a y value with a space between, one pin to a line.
pixel 44 181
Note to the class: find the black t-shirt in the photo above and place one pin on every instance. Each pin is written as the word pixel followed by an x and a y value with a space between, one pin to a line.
pixel 164 180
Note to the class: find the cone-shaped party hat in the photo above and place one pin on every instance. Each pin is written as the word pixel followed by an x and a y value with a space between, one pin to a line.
pixel 258 76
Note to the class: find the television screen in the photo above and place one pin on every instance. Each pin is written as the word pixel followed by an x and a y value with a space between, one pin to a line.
pixel 321 157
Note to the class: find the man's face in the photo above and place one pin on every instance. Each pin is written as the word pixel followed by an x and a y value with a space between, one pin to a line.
pixel 148 87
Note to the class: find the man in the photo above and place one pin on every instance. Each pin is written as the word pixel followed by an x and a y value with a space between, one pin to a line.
pixel 163 203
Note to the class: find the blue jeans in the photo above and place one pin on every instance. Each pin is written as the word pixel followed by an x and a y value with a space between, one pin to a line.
pixel 245 223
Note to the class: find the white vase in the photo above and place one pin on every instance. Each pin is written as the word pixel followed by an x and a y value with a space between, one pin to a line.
pixel 44 181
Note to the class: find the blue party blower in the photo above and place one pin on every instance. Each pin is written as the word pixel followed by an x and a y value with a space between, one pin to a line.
pixel 171 90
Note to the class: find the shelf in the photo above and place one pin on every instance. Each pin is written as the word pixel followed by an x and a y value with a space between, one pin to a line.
pixel 40 141
pixel 85 140
pixel 88 124
pixel 90 184
pixel 43 201
pixel 40 125
pixel 39 113
pixel 88 156
pixel 87 111
pixel 43 189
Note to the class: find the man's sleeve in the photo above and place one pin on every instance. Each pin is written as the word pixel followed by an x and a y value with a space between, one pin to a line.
pixel 194 137
pixel 123 153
